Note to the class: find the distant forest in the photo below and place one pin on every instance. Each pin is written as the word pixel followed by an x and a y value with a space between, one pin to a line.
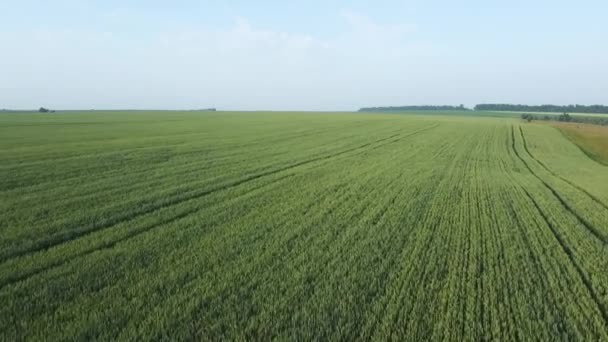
pixel 410 108
pixel 543 108
pixel 597 109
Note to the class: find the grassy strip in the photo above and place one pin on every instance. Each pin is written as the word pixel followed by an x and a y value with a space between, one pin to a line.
pixel 591 139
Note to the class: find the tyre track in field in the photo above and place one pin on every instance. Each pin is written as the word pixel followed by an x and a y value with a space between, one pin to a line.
pixel 374 217
pixel 399 278
pixel 593 197
pixel 343 191
pixel 395 266
pixel 284 220
pixel 10 280
pixel 184 197
pixel 288 241
pixel 534 254
pixel 132 234
pixel 111 173
pixel 558 267
pixel 541 269
pixel 564 246
pixel 424 234
pixel 590 228
pixel 596 298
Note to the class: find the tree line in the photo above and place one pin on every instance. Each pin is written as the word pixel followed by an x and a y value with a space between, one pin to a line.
pixel 500 107
pixel 543 108
pixel 565 117
pixel 410 108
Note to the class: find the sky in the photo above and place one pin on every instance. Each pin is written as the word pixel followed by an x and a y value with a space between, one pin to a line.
pixel 300 55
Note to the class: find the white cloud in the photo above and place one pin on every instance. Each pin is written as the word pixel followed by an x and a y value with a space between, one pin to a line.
pixel 241 38
pixel 365 27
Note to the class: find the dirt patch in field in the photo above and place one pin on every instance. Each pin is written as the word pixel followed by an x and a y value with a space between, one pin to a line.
pixel 591 139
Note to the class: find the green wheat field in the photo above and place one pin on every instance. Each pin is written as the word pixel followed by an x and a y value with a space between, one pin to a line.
pixel 298 226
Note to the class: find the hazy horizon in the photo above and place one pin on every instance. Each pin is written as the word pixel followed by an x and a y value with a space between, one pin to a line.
pixel 303 56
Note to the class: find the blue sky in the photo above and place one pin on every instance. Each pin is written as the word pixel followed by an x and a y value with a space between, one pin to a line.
pixel 300 55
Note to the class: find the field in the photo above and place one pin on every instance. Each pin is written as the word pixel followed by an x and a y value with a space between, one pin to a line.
pixel 591 139
pixel 298 226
